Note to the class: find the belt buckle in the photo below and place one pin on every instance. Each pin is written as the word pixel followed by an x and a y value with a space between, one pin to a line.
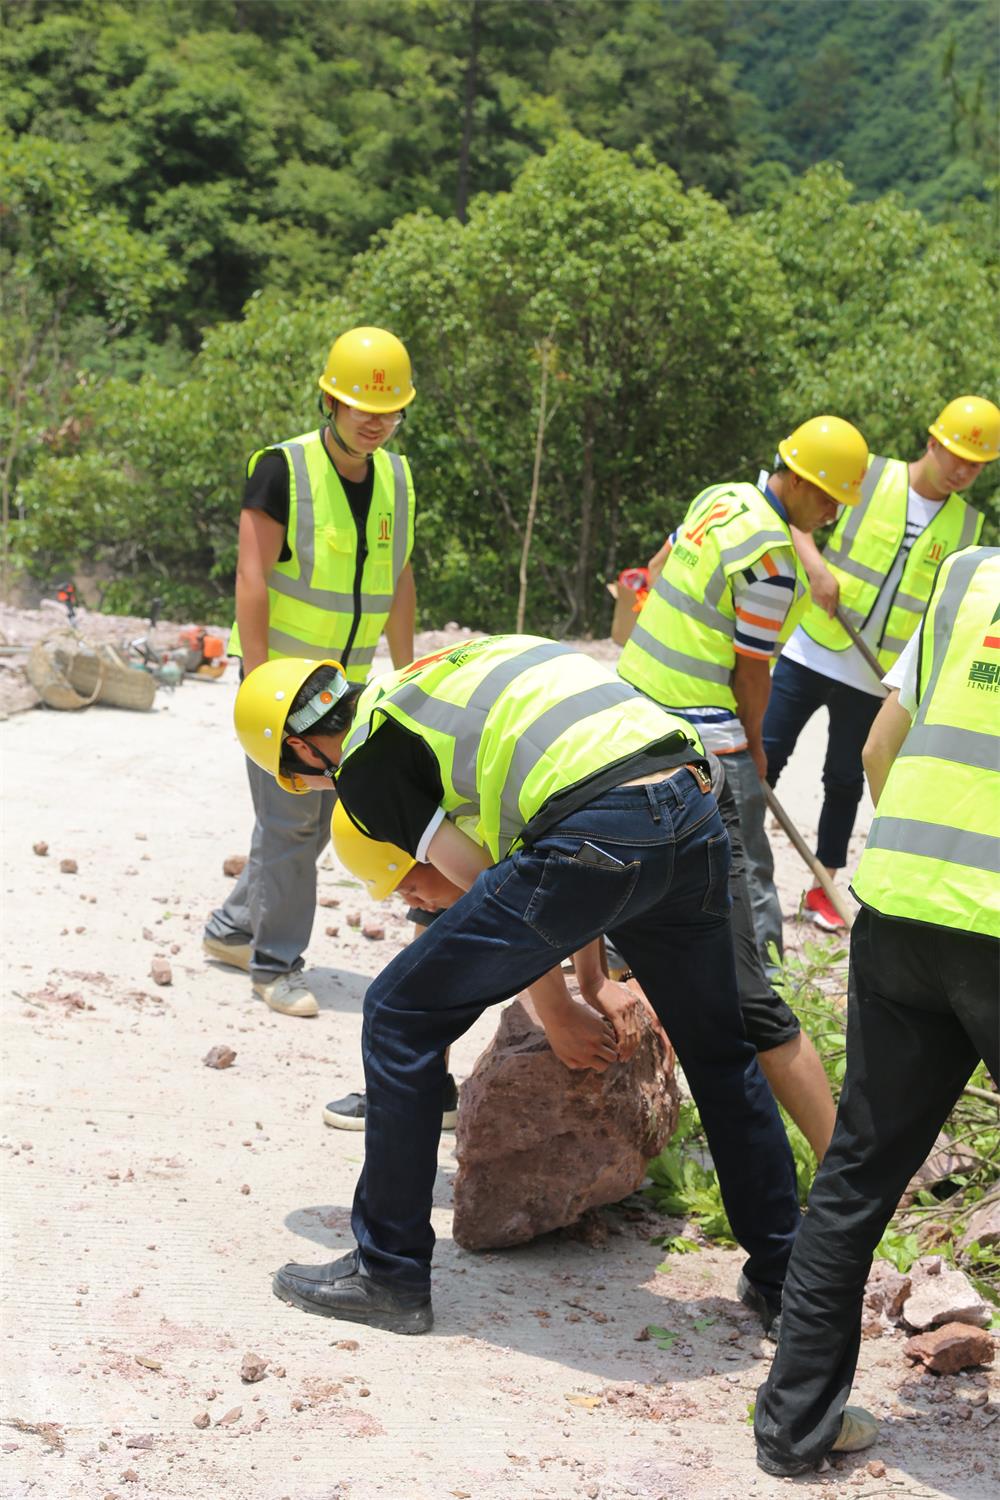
pixel 702 777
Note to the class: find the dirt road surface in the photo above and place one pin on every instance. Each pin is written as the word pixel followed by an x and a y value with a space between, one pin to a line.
pixel 148 1198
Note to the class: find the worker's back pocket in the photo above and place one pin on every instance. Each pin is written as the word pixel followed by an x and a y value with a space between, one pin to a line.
pixel 717 900
pixel 576 900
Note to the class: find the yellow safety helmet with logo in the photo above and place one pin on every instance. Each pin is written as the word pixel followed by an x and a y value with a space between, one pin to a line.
pixel 969 426
pixel 263 704
pixel 380 866
pixel 369 368
pixel 830 453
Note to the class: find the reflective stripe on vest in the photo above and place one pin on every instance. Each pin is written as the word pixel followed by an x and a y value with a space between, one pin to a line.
pixel 314 609
pixel 862 553
pixel 492 719
pixel 681 649
pixel 933 853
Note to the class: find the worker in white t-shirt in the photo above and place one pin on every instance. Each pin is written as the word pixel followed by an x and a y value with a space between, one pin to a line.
pixel 877 568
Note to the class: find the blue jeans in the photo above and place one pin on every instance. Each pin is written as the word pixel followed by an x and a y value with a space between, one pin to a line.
pixel 796 693
pixel 922 1010
pixel 665 906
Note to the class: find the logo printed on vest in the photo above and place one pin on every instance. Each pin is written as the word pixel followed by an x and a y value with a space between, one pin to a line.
pixel 718 511
pixel 935 552
pixel 385 529
pixel 992 637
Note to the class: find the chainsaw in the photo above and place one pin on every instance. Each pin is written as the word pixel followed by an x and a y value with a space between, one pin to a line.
pixel 200 653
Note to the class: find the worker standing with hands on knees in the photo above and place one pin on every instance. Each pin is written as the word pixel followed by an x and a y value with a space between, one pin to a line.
pixel 877 568
pixel 326 533
pixel 591 812
pixel 923 989
pixel 728 590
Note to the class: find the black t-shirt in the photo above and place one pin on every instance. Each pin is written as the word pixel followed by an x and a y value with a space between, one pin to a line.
pixel 266 489
pixel 391 785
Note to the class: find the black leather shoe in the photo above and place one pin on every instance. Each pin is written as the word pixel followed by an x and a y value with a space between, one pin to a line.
pixel 767 1310
pixel 342 1290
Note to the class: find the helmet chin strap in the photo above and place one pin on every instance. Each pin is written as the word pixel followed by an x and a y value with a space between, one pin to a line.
pixel 329 415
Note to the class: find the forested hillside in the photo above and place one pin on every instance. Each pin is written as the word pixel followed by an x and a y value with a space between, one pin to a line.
pixel 602 196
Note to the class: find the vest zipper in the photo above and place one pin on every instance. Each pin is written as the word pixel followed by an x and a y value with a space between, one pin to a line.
pixel 361 557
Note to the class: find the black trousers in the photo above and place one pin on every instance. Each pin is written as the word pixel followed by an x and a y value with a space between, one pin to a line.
pixel 923 1008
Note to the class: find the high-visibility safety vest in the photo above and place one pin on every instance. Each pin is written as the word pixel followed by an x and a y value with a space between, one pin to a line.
pixel 331 598
pixel 863 547
pixel 511 720
pixel 681 650
pixel 933 852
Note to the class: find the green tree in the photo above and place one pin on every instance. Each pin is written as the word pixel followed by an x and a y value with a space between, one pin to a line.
pixel 893 315
pixel 73 276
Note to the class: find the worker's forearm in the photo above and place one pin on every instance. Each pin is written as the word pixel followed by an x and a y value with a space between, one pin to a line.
pixel 252 615
pixel 550 996
pixel 751 696
pixel 807 549
pixel 590 973
pixel 401 621
pixel 885 740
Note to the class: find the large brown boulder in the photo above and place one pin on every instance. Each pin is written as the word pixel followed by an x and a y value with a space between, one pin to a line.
pixel 538 1144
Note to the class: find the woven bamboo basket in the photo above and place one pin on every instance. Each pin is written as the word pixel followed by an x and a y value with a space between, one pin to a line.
pixel 69 673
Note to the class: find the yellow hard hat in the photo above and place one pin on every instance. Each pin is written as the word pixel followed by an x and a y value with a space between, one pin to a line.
pixel 380 866
pixel 829 452
pixel 970 427
pixel 262 706
pixel 369 368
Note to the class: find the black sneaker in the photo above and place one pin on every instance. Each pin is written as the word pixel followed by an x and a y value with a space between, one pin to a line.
pixel 349 1113
pixel 768 1310
pixel 342 1290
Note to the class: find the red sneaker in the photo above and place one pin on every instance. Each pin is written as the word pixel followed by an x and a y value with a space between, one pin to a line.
pixel 817 907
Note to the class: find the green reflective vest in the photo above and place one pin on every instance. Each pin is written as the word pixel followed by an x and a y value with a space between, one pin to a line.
pixel 326 601
pixel 933 853
pixel 681 650
pixel 511 720
pixel 863 548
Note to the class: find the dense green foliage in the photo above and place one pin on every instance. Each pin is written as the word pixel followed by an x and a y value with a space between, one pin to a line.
pixel 903 93
pixel 202 193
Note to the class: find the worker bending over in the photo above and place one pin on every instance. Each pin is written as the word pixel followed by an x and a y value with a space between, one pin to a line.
pixel 878 568
pixel 591 812
pixel 923 1005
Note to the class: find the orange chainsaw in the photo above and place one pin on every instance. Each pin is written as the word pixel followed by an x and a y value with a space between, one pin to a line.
pixel 200 653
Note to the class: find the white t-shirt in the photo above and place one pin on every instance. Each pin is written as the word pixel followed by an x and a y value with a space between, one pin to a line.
pixel 903 674
pixel 849 667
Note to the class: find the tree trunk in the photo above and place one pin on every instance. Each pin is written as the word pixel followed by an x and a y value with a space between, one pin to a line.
pixel 581 590
pixel 544 350
pixel 471 83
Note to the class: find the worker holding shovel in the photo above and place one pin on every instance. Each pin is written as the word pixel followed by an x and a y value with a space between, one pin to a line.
pixel 922 997
pixel 591 812
pixel 871 581
pixel 728 590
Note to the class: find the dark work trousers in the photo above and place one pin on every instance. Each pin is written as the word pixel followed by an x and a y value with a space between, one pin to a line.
pixel 649 866
pixel 796 693
pixel 769 1022
pixel 923 1008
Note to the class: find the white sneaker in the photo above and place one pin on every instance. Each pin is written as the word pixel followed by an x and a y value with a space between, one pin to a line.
pixel 235 953
pixel 288 994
